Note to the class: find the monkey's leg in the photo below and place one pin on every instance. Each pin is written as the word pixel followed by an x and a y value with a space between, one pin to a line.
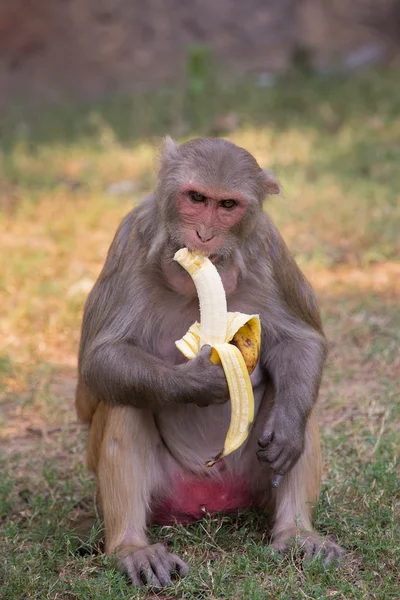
pixel 295 500
pixel 129 471
pixel 85 402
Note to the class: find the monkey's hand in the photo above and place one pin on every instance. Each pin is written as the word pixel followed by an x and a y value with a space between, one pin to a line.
pixel 281 442
pixel 202 382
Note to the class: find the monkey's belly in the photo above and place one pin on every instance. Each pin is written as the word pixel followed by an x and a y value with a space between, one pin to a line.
pixel 189 498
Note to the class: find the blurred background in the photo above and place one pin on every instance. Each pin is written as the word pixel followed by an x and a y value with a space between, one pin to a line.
pixel 89 49
pixel 87 90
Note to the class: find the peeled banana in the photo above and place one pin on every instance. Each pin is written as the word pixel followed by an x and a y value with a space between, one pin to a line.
pixel 235 340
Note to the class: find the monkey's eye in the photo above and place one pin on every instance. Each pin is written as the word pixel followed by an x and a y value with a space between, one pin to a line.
pixel 196 196
pixel 230 203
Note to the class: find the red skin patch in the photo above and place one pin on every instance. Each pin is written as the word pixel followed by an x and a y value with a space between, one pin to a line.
pixel 190 498
pixel 208 216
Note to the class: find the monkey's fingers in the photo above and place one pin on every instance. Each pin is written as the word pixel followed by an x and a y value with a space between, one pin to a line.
pixel 286 461
pixel 205 352
pixel 155 577
pixel 275 455
pixel 160 570
pixel 330 557
pixel 139 571
pixel 131 564
pixel 315 547
pixel 265 439
pixel 152 566
pixel 134 575
pixel 179 565
pixel 333 554
pixel 271 455
pixel 278 474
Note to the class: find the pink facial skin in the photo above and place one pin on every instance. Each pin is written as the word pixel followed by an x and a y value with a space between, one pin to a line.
pixel 207 216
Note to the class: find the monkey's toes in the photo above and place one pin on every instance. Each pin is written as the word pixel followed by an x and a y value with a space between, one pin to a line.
pixel 311 545
pixel 323 548
pixel 152 566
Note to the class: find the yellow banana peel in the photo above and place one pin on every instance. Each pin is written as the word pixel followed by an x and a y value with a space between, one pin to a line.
pixel 235 339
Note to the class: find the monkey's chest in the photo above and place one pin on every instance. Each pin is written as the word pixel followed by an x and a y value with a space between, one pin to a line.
pixel 190 498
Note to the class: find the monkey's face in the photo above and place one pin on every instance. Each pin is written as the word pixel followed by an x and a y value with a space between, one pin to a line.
pixel 210 195
pixel 210 222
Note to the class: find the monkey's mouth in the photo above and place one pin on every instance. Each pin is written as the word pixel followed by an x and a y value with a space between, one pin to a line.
pixel 215 258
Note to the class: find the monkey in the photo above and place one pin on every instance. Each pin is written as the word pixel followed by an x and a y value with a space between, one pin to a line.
pixel 154 417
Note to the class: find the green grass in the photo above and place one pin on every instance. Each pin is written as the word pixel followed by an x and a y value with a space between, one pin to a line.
pixel 334 145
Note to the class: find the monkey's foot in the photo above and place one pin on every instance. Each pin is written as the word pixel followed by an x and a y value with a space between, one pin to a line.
pixel 151 565
pixel 310 544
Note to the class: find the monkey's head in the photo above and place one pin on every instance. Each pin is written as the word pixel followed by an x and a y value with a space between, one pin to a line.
pixel 209 195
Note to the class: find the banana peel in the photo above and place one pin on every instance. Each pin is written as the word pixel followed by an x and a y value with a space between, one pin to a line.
pixel 243 331
pixel 235 339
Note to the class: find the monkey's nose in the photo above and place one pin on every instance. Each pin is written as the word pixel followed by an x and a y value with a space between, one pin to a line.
pixel 205 237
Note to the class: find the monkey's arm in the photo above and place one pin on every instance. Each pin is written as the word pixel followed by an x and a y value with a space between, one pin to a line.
pixel 113 367
pixel 294 358
pixel 295 367
pixel 124 374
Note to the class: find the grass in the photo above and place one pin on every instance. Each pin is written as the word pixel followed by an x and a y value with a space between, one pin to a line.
pixel 334 145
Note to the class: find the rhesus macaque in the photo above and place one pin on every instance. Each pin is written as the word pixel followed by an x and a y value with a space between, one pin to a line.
pixel 155 418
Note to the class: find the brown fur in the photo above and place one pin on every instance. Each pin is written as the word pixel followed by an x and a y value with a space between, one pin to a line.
pixel 153 418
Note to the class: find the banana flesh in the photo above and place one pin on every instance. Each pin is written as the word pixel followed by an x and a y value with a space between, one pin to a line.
pixel 235 340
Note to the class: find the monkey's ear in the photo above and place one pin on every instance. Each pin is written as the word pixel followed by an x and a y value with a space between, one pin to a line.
pixel 169 149
pixel 273 186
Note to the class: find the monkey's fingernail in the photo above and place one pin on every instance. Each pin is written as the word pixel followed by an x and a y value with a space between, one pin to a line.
pixel 276 481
